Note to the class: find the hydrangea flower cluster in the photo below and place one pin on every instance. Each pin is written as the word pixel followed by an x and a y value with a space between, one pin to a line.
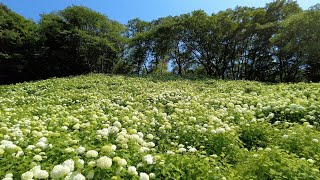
pixel 118 127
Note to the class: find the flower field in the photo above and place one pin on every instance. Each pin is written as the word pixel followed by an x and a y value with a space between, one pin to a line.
pixel 118 127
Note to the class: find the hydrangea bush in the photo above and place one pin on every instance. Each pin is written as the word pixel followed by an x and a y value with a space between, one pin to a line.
pixel 119 127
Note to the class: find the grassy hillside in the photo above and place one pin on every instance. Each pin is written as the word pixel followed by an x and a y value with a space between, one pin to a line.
pixel 102 127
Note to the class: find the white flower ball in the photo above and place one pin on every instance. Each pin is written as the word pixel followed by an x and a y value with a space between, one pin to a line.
pixel 310 161
pixel 150 136
pixel 268 149
pixel 104 162
pixel 170 152
pixel 92 154
pixel 182 150
pixel 27 176
pixel 37 158
pixel 81 150
pixel 144 176
pixel 122 162
pixel 75 176
pixel 59 171
pixel 43 139
pixel 285 136
pixel 69 150
pixel 148 159
pixel 30 147
pixel 91 163
pixel 41 145
pixel 9 176
pixel 132 170
pixel 41 174
pixel 220 130
pixel 69 164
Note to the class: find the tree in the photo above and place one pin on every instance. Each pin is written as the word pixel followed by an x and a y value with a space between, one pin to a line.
pixel 139 45
pixel 78 40
pixel 17 46
pixel 301 35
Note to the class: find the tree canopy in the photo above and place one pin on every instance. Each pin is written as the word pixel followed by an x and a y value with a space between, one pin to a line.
pixel 275 43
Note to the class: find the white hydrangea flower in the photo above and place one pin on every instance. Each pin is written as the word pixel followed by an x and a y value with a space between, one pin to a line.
pixel 309 126
pixel 35 168
pixel 149 136
pixel 91 163
pixel 69 150
pixel 104 132
pixel 148 159
pixel 117 124
pixel 181 146
pixel 69 164
pixel 37 158
pixel 92 154
pixel 41 145
pixel 19 153
pixel 30 147
pixel 43 139
pixel 27 176
pixel 268 149
pixel 113 129
pixel 132 170
pixel 140 134
pixel 104 162
pixel 81 150
pixel 213 131
pixel 8 176
pixel 41 174
pixel 144 149
pixel 151 144
pixel 75 176
pixel 182 150
pixel 122 162
pixel 170 152
pixel 192 150
pixel 220 130
pixel 59 171
pixel 310 161
pixel 144 176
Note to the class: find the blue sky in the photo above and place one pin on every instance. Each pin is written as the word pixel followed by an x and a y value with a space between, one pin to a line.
pixel 124 10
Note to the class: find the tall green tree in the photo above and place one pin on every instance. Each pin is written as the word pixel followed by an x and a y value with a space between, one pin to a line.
pixel 18 39
pixel 300 35
pixel 79 40
pixel 138 32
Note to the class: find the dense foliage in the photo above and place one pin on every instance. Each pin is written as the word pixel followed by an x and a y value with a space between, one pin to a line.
pixel 121 127
pixel 276 43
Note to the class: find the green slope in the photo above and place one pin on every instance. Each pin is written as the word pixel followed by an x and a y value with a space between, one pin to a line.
pixel 168 128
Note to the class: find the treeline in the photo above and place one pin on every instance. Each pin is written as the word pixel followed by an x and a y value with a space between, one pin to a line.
pixel 277 43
